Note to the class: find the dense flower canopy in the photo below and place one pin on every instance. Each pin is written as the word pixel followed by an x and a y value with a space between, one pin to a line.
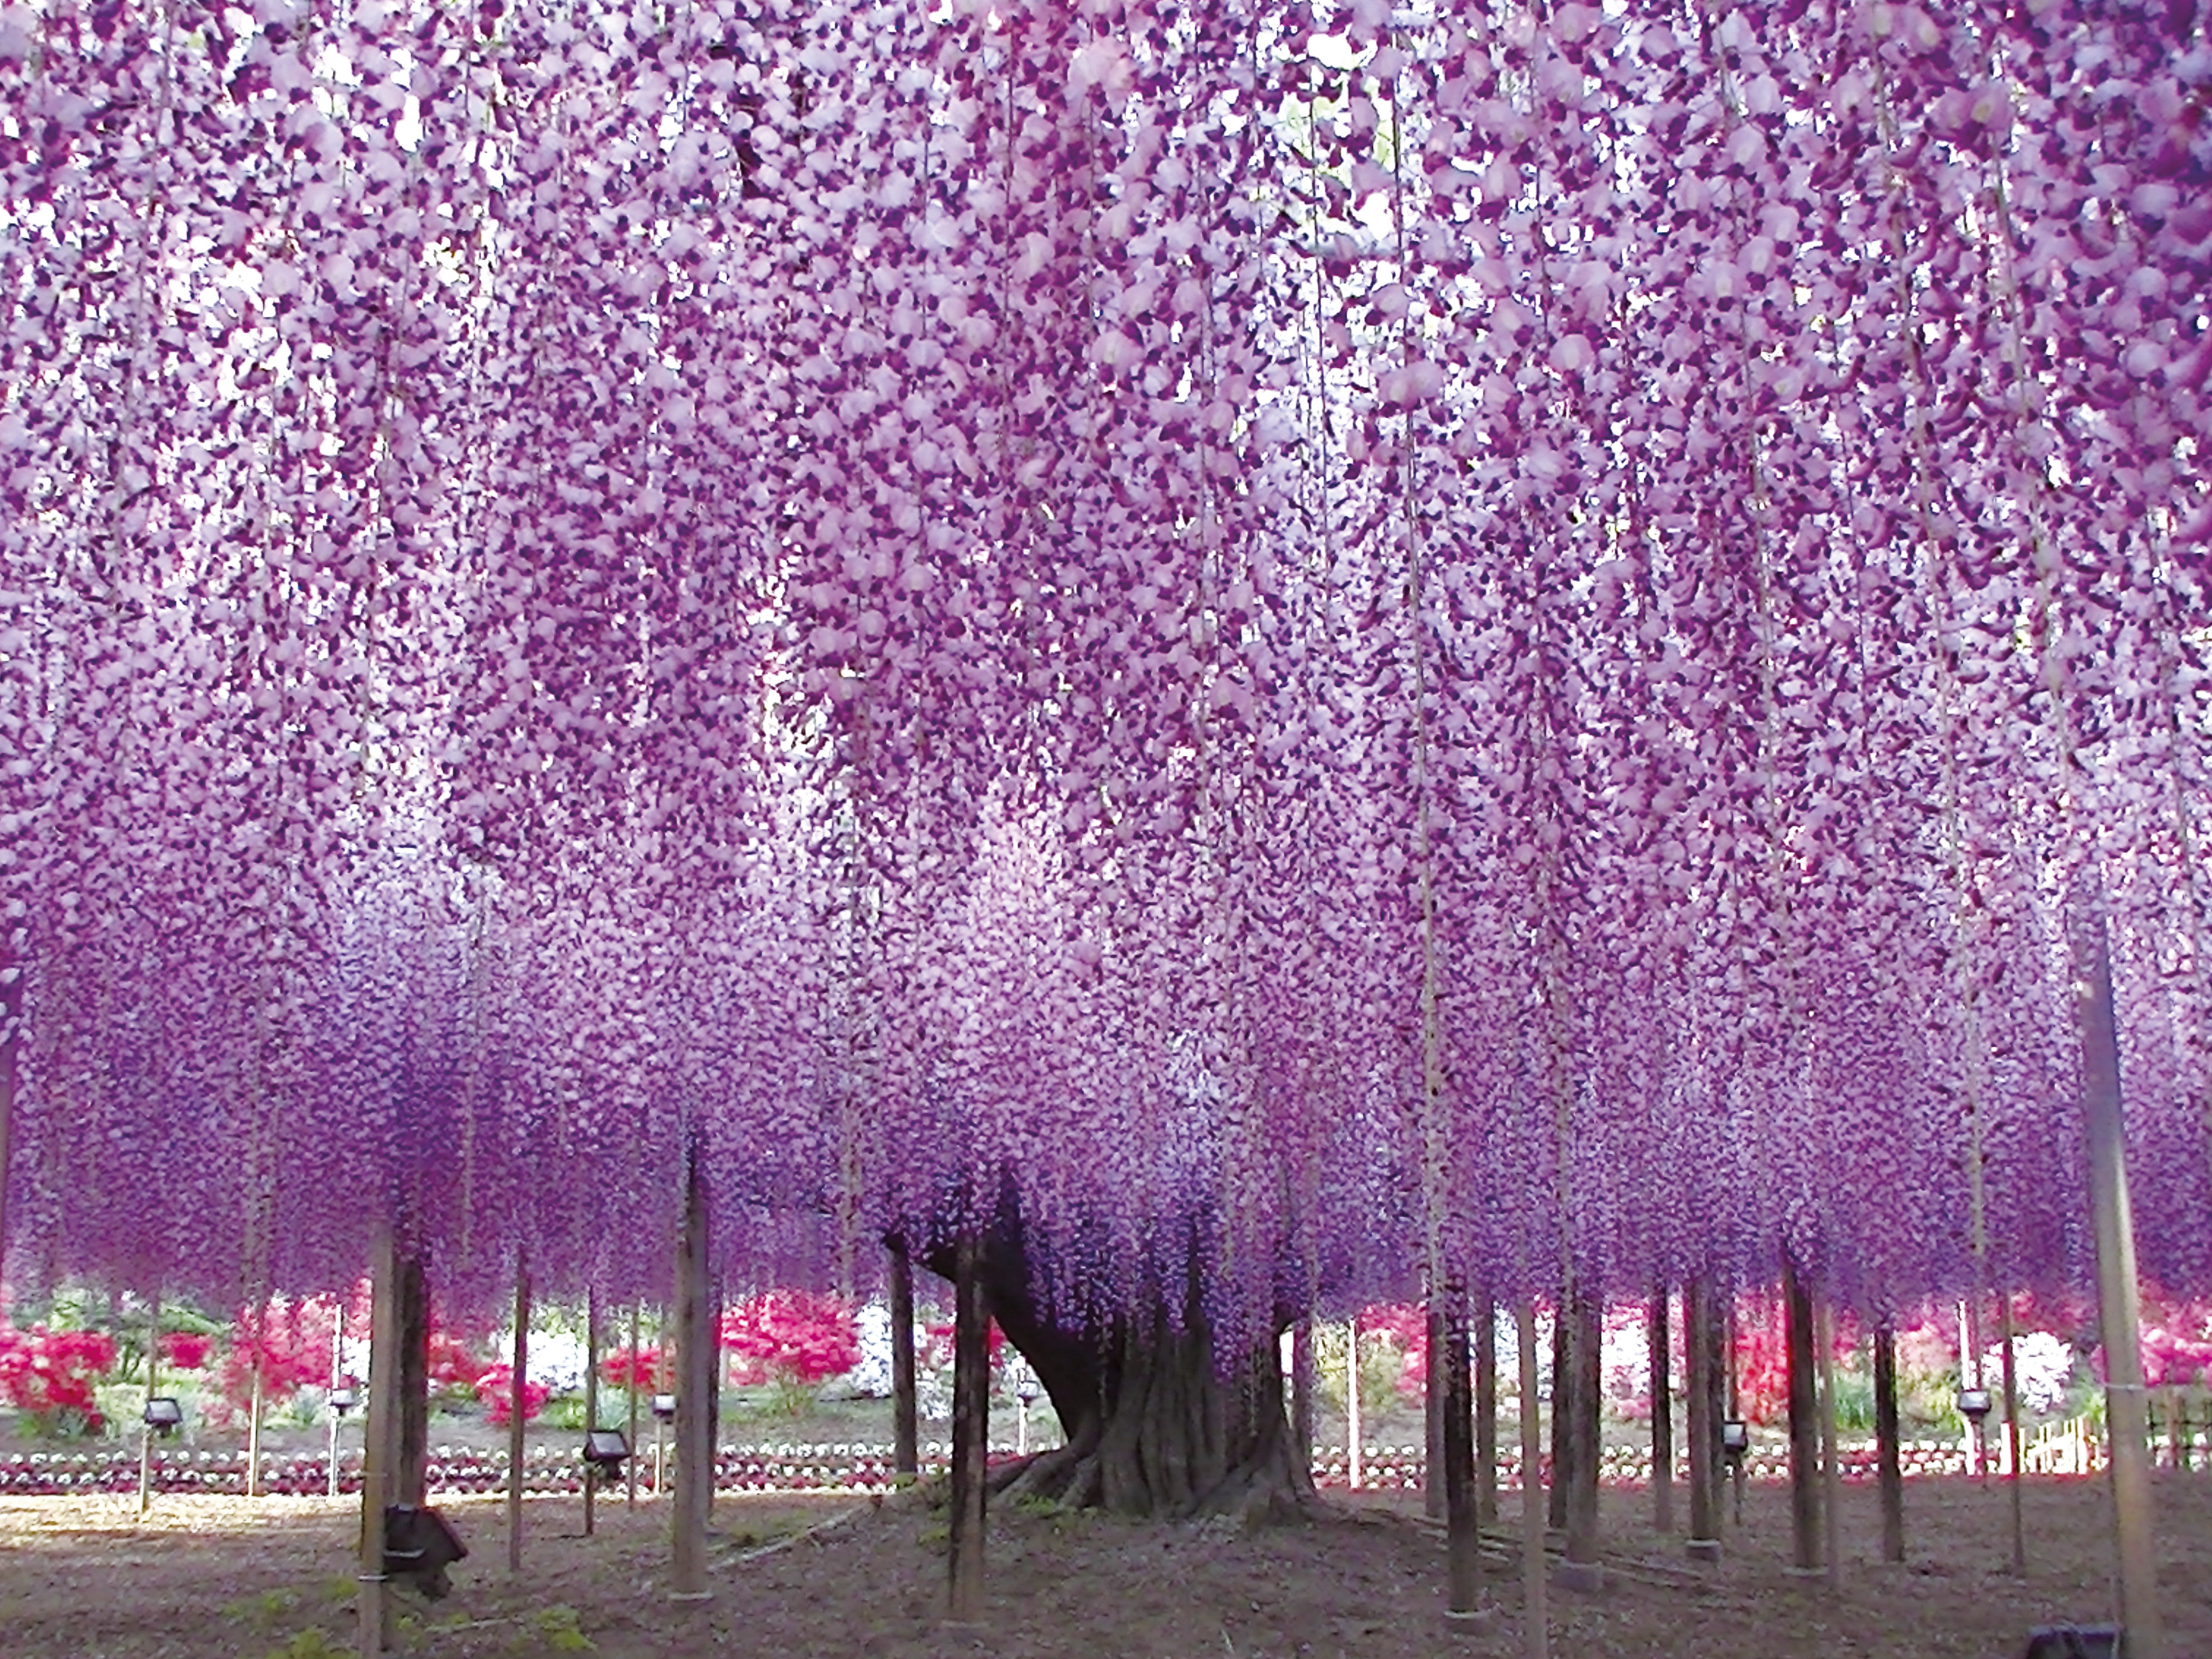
pixel 1342 639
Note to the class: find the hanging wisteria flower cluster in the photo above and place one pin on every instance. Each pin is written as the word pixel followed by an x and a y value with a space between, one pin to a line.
pixel 1467 638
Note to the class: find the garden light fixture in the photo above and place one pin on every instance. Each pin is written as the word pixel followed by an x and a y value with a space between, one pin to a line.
pixel 664 1406
pixel 605 1451
pixel 164 1415
pixel 343 1401
pixel 1736 1439
pixel 418 1546
pixel 1974 1405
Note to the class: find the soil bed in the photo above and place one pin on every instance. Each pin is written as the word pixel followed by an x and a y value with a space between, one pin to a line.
pixel 232 1578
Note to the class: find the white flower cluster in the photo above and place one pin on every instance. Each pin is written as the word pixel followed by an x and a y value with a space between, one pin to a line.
pixel 2043 1364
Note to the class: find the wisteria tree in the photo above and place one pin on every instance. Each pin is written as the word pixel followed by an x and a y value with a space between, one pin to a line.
pixel 1265 651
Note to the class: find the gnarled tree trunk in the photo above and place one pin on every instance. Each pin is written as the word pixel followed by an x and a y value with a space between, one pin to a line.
pixel 1158 1423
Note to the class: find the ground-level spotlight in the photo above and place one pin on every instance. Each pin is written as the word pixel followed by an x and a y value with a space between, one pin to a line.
pixel 2073 1642
pixel 1974 1405
pixel 1735 1440
pixel 605 1451
pixel 163 1415
pixel 418 1546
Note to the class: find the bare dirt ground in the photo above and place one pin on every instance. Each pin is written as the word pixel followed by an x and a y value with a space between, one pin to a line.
pixel 230 1578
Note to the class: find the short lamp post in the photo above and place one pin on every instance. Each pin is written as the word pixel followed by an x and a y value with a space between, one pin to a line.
pixel 1026 1391
pixel 342 1399
pixel 1974 1407
pixel 1735 1446
pixel 664 1413
pixel 605 1451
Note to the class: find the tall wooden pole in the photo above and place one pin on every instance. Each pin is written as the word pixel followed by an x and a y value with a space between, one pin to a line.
pixel 1888 1450
pixel 411 1425
pixel 1662 1417
pixel 630 1469
pixel 1433 1407
pixel 1565 1376
pixel 971 1427
pixel 1704 1432
pixel 337 1378
pixel 1486 1410
pixel 696 1392
pixel 253 1403
pixel 1581 1571
pixel 1352 1425
pixel 1302 1392
pixel 1832 1474
pixel 146 1428
pixel 1804 1421
pixel 380 1443
pixel 2127 1409
pixel 517 1398
pixel 1463 1530
pixel 1536 1632
pixel 591 1405
pixel 906 1424
pixel 2011 1379
pixel 11 1019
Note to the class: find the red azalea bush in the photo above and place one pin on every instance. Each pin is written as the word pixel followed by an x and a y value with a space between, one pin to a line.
pixel 935 1350
pixel 453 1368
pixel 791 1336
pixel 186 1350
pixel 494 1385
pixel 627 1368
pixel 49 1374
pixel 289 1343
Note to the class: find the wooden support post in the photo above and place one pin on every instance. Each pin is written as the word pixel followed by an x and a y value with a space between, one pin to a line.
pixel 380 1445
pixel 1804 1421
pixel 11 1021
pixel 1831 1472
pixel 516 1399
pixel 1432 1412
pixel 630 1377
pixel 1302 1392
pixel 1463 1532
pixel 410 1468
pixel 1662 1417
pixel 1563 1378
pixel 695 1391
pixel 1486 1410
pixel 590 1407
pixel 146 1428
pixel 971 1427
pixel 906 1425
pixel 1352 1424
pixel 664 1381
pixel 1581 1571
pixel 253 1402
pixel 1888 1450
pixel 1705 1432
pixel 1535 1631
pixel 2118 1298
pixel 2009 1375
pixel 337 1381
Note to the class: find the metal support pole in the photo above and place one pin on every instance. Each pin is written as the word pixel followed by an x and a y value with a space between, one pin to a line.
pixel 2011 1379
pixel 2119 1311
